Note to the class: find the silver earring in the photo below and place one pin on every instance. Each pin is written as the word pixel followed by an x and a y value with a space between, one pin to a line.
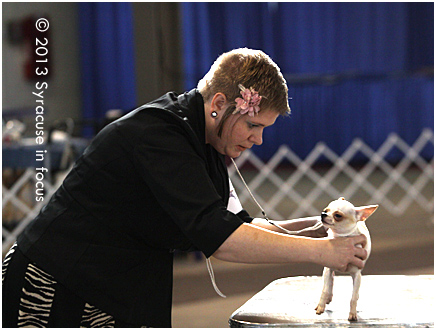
pixel 214 114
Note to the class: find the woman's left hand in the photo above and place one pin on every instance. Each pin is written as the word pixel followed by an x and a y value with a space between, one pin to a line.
pixel 309 227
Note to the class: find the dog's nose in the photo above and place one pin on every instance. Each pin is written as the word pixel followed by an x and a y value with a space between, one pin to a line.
pixel 323 215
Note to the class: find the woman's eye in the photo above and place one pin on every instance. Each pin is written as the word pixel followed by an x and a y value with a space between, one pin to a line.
pixel 251 125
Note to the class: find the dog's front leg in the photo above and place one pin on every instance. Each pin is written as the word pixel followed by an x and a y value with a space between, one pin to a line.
pixel 327 290
pixel 357 276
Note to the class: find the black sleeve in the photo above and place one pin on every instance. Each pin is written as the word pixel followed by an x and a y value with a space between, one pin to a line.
pixel 244 216
pixel 177 175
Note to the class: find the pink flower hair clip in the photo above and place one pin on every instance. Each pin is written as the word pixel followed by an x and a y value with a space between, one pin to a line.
pixel 249 103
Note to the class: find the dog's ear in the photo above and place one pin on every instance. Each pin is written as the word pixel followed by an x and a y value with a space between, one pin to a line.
pixel 364 212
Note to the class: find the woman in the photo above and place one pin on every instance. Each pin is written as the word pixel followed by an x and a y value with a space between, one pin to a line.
pixel 100 253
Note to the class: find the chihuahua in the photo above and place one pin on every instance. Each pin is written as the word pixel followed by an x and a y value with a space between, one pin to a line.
pixel 341 218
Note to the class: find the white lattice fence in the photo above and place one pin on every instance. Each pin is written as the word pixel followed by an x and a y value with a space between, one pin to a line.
pixel 301 191
pixel 25 206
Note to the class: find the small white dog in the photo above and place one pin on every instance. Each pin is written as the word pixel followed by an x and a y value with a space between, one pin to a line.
pixel 341 218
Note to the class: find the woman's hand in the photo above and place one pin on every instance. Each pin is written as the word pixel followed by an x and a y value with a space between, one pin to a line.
pixel 315 232
pixel 309 227
pixel 341 252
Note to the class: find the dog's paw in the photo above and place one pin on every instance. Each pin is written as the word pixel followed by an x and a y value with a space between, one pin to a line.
pixel 329 299
pixel 320 309
pixel 352 317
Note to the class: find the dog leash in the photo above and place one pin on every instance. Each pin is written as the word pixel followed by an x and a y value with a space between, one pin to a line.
pixel 212 278
pixel 290 232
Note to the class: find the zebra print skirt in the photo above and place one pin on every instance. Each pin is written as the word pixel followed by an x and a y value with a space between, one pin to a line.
pixel 33 298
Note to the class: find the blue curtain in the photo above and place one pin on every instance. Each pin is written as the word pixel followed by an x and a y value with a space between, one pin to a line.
pixel 370 49
pixel 339 113
pixel 107 59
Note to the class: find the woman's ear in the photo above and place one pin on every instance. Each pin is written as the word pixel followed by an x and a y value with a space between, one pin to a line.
pixel 218 102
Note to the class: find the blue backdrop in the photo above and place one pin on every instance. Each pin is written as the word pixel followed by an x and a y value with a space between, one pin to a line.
pixel 107 59
pixel 375 52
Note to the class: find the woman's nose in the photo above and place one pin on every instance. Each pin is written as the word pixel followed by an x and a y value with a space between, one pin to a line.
pixel 256 138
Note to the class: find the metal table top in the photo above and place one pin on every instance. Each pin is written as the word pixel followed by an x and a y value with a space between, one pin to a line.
pixel 385 301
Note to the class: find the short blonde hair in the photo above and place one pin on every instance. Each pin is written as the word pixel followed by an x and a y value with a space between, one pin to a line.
pixel 250 68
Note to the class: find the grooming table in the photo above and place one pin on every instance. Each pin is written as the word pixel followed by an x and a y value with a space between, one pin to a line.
pixel 387 301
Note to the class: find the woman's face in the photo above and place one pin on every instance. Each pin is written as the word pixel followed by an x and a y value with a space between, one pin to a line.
pixel 240 132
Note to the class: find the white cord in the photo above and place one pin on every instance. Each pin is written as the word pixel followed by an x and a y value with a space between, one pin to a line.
pixel 212 278
pixel 296 232
pixel 248 189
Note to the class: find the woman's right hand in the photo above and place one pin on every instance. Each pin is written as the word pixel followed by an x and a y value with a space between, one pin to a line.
pixel 341 252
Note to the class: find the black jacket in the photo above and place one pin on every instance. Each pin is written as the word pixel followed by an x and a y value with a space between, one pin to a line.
pixel 147 185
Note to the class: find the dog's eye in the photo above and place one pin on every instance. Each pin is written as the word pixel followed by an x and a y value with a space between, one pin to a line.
pixel 338 217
